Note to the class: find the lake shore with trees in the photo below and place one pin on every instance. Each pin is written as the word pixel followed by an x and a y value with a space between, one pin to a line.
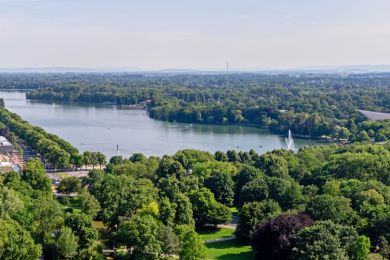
pixel 330 201
pixel 155 207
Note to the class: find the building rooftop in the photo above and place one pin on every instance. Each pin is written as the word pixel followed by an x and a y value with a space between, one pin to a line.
pixel 4 141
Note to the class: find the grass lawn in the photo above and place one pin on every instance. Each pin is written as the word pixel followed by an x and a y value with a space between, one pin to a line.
pixel 215 233
pixel 103 232
pixel 229 250
pixel 62 174
pixel 75 204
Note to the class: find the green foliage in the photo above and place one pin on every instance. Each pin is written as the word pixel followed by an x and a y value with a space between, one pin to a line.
pixel 273 165
pixel 191 245
pixel 142 234
pixel 66 244
pixel 69 184
pixel 16 242
pixel 121 196
pixel 361 248
pixel 10 203
pixel 326 207
pixel 169 167
pixel 207 210
pixel 184 211
pixel 222 185
pixel 55 150
pixel 189 157
pixel 35 174
pixel 327 240
pixel 170 243
pixel 253 214
pixel 89 204
pixel 81 225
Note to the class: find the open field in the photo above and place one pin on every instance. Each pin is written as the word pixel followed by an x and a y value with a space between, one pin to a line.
pixel 375 116
pixel 216 234
pixel 229 250
pixel 225 250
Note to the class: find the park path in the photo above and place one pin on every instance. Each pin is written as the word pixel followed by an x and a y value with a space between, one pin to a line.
pixel 231 225
pixel 219 240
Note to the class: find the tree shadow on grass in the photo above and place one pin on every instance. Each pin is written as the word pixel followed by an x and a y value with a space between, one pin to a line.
pixel 228 246
pixel 241 256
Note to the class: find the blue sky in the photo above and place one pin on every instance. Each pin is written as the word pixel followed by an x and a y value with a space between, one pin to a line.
pixel 252 34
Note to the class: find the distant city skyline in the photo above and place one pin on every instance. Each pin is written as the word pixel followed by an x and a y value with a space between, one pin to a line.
pixel 201 35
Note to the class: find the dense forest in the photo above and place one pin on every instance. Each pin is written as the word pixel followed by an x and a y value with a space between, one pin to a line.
pixel 329 202
pixel 312 105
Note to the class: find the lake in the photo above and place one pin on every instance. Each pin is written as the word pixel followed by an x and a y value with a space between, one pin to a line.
pixel 102 128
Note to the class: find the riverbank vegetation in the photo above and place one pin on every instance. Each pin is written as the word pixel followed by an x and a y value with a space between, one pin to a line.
pixel 53 150
pixel 157 207
pixel 312 105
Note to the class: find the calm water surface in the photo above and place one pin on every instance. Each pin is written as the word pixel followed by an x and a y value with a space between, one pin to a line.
pixel 101 128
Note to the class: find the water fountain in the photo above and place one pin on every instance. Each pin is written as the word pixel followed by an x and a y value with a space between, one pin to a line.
pixel 290 141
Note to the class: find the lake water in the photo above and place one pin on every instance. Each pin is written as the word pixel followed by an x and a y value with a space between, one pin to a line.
pixel 102 128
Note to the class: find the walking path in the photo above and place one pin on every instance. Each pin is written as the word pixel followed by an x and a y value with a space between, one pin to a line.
pixel 219 240
pixel 231 225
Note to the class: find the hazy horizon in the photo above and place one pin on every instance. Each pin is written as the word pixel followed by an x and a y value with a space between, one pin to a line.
pixel 200 35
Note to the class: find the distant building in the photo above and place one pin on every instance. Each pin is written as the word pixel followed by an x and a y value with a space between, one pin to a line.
pixel 6 165
pixel 5 145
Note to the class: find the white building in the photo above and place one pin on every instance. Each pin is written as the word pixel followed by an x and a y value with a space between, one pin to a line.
pixel 5 145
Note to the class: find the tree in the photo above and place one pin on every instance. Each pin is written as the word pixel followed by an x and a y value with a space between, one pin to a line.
pixel 58 157
pixel 88 204
pixel 184 212
pixel 101 159
pixel 69 184
pixel 87 158
pixel 169 167
pixel 170 244
pixel 245 175
pixel 167 212
pixel 222 185
pixel 10 203
pixel 363 136
pixel 233 156
pixel 253 214
pixel 221 156
pixel 138 157
pixel 255 190
pixel 188 157
pixel 275 238
pixel 16 242
pixel 66 244
pixel 207 210
pixel 46 219
pixel 115 160
pixel 286 192
pixel 324 207
pixel 327 240
pixel 141 233
pixel 191 245
pixel 361 248
pixel 35 174
pixel 384 247
pixel 273 165
pixel 82 226
pixel 121 196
